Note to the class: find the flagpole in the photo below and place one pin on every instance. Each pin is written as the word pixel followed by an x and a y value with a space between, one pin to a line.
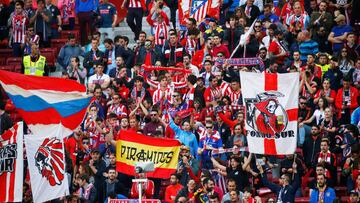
pixel 242 41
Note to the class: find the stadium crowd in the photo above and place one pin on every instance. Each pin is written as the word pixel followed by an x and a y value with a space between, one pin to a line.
pixel 177 83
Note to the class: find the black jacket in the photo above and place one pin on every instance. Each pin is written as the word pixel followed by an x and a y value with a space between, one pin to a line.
pixel 5 123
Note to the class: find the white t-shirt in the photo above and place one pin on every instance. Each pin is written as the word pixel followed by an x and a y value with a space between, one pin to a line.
pixel 96 79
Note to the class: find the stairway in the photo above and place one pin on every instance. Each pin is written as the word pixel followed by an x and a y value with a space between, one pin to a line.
pixel 125 30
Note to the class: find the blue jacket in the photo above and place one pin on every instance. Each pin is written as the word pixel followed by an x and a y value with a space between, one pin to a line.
pixel 355 116
pixel 86 5
pixel 287 192
pixel 65 54
pixel 185 137
pixel 328 197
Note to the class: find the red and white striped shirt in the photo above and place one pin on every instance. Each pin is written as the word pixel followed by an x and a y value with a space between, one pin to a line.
pixel 118 109
pixel 19 28
pixel 135 4
pixel 225 88
pixel 162 95
pixel 189 97
pixel 190 46
pixel 161 33
pixel 235 96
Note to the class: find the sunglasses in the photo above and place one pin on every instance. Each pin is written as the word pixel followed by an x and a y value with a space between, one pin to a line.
pixel 208 127
pixel 257 26
pixel 153 114
pixel 85 143
pixel 176 95
pixel 303 103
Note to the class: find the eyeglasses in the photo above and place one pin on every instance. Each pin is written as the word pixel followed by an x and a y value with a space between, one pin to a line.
pixel 85 142
pixel 153 114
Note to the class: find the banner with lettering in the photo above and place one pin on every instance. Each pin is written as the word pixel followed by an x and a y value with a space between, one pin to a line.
pixel 11 164
pixel 132 148
pixel 271 102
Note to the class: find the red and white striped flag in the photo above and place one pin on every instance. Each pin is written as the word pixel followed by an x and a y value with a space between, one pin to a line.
pixel 271 102
pixel 198 9
pixel 11 164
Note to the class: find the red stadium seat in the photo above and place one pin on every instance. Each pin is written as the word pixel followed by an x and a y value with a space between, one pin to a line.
pixel 6 53
pixel 7 67
pixel 302 199
pixel 58 43
pixel 14 61
pixel 2 61
pixel 65 34
pixel 50 54
pixel 18 68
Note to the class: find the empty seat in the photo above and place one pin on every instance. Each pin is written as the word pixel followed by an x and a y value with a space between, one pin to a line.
pixel 7 68
pixel 49 54
pixel 58 43
pixel 6 53
pixel 14 61
pixel 18 69
pixel 302 199
pixel 65 34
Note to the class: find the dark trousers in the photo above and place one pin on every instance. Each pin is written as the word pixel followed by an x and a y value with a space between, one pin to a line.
pixel 135 14
pixel 69 26
pixel 43 43
pixel 17 50
pixel 86 26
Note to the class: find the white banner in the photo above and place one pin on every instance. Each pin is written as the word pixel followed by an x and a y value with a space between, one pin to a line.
pixel 271 103
pixel 11 164
pixel 46 157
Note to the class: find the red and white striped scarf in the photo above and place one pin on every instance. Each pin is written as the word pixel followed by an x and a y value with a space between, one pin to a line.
pixel 327 157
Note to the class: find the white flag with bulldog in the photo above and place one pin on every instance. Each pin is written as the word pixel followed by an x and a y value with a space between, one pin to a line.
pixel 46 157
pixel 271 103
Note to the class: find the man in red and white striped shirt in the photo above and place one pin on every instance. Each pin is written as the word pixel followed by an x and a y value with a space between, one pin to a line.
pixel 163 93
pixel 189 96
pixel 160 27
pixel 18 28
pixel 235 95
pixel 135 12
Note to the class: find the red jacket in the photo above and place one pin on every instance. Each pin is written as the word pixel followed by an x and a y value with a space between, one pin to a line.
pixel 353 99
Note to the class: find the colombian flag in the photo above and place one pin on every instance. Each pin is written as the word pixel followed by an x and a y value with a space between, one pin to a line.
pixel 132 148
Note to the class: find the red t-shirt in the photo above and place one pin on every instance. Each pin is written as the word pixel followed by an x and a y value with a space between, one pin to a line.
pixel 223 49
pixel 275 49
pixel 172 191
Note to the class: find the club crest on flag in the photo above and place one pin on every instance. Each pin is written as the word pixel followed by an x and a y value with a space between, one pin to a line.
pixel 271 105
pixel 49 161
pixel 265 113
pixel 196 5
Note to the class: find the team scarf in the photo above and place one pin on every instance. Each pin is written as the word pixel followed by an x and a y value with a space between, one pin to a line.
pixel 327 158
pixel 151 68
pixel 134 92
pixel 241 62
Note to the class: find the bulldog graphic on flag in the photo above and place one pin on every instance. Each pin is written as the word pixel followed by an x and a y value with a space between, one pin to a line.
pixel 271 102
